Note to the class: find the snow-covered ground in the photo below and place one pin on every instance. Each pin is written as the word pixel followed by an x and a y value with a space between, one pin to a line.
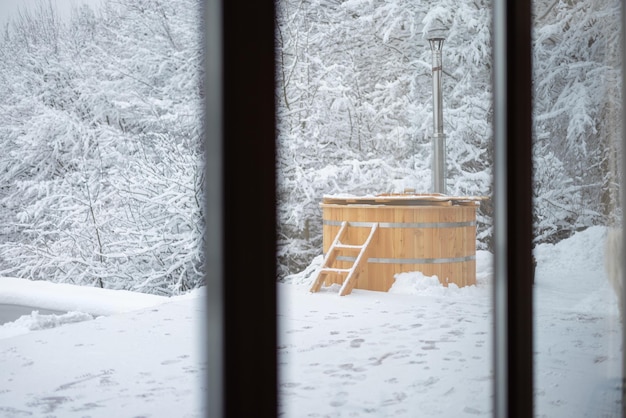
pixel 419 350
pixel 425 350
pixel 115 354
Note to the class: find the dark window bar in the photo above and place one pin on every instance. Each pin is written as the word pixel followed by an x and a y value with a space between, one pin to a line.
pixel 513 297
pixel 241 207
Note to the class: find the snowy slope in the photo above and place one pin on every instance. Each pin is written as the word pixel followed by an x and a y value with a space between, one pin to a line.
pixel 419 350
pixel 577 330
pixel 425 350
pixel 144 362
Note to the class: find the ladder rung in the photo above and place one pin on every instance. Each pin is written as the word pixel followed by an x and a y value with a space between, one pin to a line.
pixel 352 273
pixel 348 246
pixel 334 270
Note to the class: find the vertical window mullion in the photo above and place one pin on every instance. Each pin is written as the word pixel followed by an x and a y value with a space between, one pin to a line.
pixel 214 336
pixel 241 209
pixel 623 205
pixel 513 351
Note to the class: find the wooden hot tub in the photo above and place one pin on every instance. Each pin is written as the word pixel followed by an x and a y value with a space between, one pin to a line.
pixel 388 234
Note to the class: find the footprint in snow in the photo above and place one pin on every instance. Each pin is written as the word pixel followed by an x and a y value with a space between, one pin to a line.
pixel 341 398
pixel 356 343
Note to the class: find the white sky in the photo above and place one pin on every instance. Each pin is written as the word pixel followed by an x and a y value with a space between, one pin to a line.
pixel 9 8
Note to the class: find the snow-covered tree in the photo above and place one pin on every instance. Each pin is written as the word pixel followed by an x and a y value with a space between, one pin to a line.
pixel 101 125
pixel 355 115
pixel 355 105
pixel 577 94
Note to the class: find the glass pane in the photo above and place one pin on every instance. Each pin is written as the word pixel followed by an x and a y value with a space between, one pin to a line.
pixel 101 208
pixel 577 210
pixel 355 130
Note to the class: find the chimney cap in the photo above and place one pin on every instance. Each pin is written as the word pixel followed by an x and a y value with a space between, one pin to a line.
pixel 436 32
pixel 436 44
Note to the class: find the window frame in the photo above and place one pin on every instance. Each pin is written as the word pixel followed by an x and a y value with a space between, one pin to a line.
pixel 241 206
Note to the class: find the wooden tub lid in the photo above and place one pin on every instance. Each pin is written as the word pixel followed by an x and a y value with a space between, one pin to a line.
pixel 409 199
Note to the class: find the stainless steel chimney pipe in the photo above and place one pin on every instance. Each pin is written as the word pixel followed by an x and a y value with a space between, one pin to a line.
pixel 439 139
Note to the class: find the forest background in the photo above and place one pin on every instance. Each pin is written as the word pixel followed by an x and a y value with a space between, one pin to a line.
pixel 101 125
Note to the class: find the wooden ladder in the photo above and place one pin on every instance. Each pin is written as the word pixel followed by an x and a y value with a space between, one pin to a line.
pixel 352 273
